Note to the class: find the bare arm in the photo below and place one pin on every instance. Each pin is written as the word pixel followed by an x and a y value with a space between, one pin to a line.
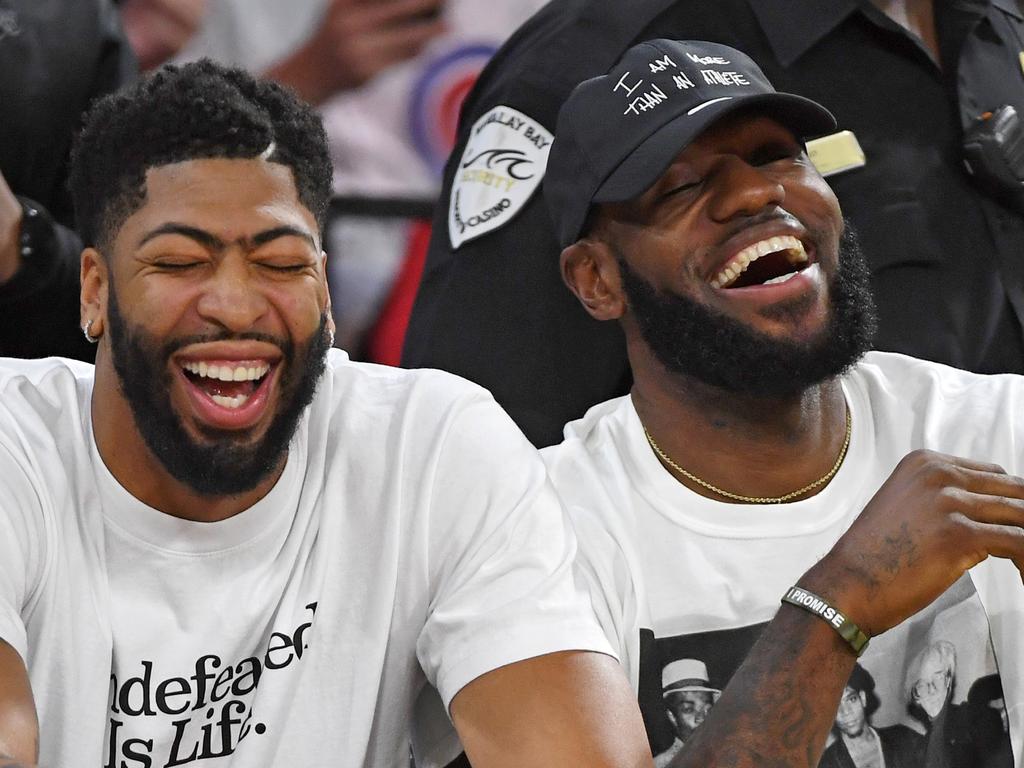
pixel 356 40
pixel 19 728
pixel 934 518
pixel 562 710
pixel 781 703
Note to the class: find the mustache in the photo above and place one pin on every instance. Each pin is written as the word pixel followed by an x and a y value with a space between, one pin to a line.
pixel 171 346
pixel 775 214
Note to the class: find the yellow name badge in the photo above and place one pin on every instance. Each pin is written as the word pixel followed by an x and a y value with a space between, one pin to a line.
pixel 836 153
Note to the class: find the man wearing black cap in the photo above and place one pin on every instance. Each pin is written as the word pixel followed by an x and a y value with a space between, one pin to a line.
pixel 761 453
pixel 905 78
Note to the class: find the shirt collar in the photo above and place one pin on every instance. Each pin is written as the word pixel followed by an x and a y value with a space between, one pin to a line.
pixel 1009 6
pixel 791 40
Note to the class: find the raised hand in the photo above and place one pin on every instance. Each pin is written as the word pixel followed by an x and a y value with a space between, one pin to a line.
pixel 157 29
pixel 356 40
pixel 935 517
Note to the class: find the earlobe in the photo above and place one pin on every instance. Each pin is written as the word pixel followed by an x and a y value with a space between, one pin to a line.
pixel 93 300
pixel 328 311
pixel 590 271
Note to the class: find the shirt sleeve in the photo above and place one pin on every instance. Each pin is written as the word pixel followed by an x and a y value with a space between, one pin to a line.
pixel 501 557
pixel 21 538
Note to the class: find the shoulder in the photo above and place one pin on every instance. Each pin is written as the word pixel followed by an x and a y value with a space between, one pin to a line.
pixel 42 434
pixel 44 417
pixel 348 384
pixel 594 470
pixel 536 66
pixel 419 410
pixel 918 404
pixel 832 757
pixel 589 441
pixel 903 742
pixel 886 376
pixel 43 388
pixel 899 734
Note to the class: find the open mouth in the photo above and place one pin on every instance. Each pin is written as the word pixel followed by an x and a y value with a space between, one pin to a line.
pixel 768 262
pixel 229 386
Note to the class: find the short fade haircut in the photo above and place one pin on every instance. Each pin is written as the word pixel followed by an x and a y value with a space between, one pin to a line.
pixel 197 111
pixel 862 682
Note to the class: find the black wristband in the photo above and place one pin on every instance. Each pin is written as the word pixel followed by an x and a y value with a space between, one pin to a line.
pixel 811 603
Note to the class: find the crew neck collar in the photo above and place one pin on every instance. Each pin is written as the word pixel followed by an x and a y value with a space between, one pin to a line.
pixel 177 535
pixel 733 520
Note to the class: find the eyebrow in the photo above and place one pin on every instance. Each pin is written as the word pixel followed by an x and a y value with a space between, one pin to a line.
pixel 201 236
pixel 208 240
pixel 273 234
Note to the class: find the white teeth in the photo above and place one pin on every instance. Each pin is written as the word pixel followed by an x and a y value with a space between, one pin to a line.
pixel 230 403
pixel 227 373
pixel 792 247
pixel 809 272
pixel 781 278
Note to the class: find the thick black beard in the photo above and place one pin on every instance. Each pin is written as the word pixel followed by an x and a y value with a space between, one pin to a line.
pixel 222 466
pixel 694 340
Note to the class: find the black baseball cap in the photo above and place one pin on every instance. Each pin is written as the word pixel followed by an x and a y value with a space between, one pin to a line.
pixel 617 133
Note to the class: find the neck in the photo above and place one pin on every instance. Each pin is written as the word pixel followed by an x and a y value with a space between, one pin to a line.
pixel 915 16
pixel 865 737
pixel 747 445
pixel 133 465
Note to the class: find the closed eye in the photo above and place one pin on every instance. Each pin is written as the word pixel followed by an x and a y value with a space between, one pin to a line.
pixel 770 155
pixel 177 266
pixel 286 267
pixel 285 264
pixel 681 188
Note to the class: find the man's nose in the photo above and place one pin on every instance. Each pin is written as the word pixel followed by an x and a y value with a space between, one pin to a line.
pixel 231 297
pixel 742 189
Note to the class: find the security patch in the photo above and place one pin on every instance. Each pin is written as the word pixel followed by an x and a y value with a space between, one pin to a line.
pixel 501 168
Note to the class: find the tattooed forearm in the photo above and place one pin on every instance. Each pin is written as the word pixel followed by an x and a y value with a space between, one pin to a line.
pixel 780 704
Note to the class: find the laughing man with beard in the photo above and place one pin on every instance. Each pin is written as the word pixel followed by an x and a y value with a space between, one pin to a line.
pixel 763 453
pixel 227 544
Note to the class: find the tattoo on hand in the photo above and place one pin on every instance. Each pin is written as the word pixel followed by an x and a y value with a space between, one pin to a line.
pixel 901 550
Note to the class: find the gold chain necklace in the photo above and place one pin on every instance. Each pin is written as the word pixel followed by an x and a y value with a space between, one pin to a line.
pixel 759 499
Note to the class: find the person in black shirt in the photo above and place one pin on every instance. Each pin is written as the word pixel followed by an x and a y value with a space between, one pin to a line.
pixel 55 57
pixel 906 79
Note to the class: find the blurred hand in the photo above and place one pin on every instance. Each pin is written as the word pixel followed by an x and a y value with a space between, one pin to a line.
pixel 157 29
pixel 10 232
pixel 356 40
pixel 935 517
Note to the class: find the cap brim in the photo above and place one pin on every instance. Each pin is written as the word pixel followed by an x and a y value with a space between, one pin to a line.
pixel 642 167
pixel 669 691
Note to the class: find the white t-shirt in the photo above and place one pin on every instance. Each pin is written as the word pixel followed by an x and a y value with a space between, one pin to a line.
pixel 412 537
pixel 679 576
